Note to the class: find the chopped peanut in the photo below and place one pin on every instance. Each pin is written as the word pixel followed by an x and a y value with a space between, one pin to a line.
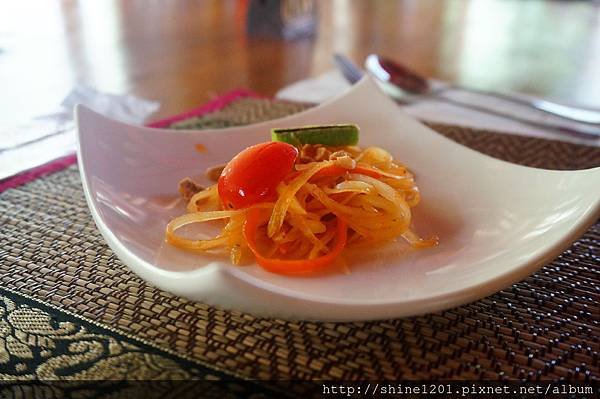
pixel 187 188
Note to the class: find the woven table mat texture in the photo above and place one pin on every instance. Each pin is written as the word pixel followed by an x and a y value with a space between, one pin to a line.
pixel 543 328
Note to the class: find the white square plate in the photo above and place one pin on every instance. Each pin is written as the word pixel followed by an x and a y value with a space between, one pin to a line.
pixel 497 222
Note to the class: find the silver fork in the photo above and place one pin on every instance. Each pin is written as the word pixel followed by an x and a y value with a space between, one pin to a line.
pixel 349 69
pixel 353 74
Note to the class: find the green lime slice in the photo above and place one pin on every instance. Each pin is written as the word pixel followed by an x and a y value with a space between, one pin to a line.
pixel 330 135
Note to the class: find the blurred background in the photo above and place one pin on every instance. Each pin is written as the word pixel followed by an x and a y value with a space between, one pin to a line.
pixel 183 53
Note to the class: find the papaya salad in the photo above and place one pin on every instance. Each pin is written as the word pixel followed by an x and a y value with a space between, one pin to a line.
pixel 297 202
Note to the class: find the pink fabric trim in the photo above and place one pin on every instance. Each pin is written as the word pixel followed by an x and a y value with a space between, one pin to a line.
pixel 34 173
pixel 64 162
pixel 212 106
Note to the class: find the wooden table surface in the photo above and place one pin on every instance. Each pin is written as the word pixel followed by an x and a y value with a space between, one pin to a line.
pixel 183 53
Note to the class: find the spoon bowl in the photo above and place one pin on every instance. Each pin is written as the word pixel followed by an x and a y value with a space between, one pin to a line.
pixel 497 222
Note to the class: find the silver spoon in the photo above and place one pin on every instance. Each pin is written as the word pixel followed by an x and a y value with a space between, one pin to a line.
pixel 411 82
pixel 417 88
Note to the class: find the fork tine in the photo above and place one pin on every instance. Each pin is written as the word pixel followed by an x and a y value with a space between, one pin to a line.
pixel 349 69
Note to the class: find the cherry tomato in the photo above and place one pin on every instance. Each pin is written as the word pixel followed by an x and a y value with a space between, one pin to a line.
pixel 252 175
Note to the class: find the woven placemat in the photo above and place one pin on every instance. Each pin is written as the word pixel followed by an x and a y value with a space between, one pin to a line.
pixel 543 328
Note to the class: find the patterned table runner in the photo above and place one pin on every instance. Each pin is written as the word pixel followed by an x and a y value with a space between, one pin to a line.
pixel 69 309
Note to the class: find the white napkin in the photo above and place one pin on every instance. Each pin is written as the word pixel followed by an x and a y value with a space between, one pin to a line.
pixel 332 83
pixel 52 136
